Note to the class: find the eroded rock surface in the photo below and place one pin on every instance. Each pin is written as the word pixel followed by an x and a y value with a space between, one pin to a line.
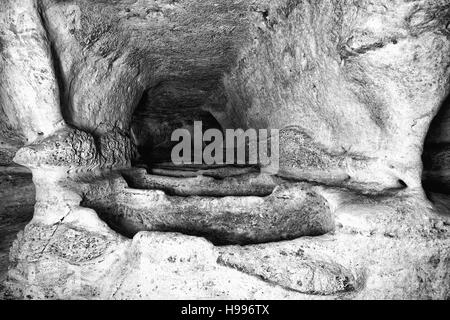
pixel 352 85
pixel 72 148
pixel 288 212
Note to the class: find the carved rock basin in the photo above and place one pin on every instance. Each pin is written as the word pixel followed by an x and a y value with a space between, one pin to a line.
pixel 288 211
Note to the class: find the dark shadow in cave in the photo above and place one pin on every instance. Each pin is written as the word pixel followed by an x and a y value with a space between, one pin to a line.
pixel 436 160
pixel 168 106
pixel 436 152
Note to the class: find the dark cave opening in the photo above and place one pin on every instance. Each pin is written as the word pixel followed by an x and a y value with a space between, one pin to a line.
pixel 168 106
pixel 436 160
pixel 436 152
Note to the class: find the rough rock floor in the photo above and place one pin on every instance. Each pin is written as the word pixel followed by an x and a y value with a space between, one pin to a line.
pixel 374 223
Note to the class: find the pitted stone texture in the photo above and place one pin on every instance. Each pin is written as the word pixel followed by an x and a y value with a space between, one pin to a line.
pixel 175 266
pixel 77 149
pixel 158 265
pixel 353 266
pixel 60 261
pixel 297 272
pixel 73 246
pixel 151 266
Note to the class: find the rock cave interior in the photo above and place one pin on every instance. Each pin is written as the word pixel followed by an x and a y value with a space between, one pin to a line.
pixel 91 205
